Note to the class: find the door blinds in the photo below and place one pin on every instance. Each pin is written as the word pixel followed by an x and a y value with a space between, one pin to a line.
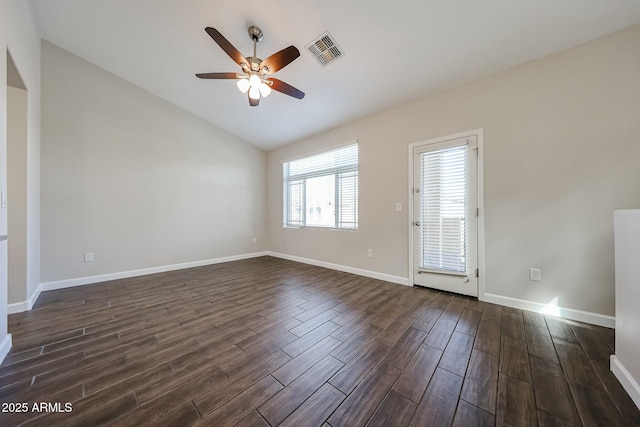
pixel 444 210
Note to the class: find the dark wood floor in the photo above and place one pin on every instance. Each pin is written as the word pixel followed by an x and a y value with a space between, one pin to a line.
pixel 271 342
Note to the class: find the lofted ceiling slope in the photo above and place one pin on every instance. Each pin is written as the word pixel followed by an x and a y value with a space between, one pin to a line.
pixel 396 51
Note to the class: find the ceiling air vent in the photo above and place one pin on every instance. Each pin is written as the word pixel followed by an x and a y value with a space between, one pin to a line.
pixel 325 49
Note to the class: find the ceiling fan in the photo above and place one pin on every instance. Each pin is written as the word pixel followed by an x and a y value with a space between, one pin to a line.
pixel 254 78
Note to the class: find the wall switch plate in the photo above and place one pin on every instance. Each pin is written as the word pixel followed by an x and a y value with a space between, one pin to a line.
pixel 88 256
pixel 370 253
pixel 254 240
pixel 535 274
pixel 398 207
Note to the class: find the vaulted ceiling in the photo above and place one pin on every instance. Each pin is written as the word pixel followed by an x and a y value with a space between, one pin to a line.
pixel 395 51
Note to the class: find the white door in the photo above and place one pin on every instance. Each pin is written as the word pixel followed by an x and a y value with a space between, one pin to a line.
pixel 445 215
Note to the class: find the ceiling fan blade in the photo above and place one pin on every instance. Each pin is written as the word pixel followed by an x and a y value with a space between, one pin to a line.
pixel 280 59
pixel 254 102
pixel 285 88
pixel 217 75
pixel 226 46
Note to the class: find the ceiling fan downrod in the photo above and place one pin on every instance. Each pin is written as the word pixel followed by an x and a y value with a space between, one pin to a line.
pixel 256 35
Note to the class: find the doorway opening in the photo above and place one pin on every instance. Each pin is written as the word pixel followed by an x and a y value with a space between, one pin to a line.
pixel 15 197
pixel 445 231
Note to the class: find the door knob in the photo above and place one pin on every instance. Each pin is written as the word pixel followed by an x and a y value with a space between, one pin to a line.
pixel 417 223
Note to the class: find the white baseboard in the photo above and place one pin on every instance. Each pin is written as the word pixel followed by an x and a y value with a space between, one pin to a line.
pixel 360 272
pixel 68 283
pixel 19 307
pixel 5 347
pixel 628 382
pixel 566 313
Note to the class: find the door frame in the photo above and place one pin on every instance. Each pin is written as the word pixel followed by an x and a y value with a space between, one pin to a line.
pixel 479 134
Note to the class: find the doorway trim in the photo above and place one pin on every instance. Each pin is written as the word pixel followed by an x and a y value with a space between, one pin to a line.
pixel 479 134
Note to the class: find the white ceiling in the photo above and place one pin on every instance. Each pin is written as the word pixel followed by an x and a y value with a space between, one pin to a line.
pixel 396 51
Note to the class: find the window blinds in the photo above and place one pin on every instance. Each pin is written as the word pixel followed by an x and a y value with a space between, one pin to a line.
pixel 322 190
pixel 444 210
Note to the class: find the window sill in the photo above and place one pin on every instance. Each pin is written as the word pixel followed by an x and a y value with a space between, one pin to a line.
pixel 307 227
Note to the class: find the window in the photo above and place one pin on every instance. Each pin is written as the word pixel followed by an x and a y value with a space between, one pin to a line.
pixel 322 190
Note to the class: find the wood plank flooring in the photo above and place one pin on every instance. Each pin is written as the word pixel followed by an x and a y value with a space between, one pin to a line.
pixel 266 342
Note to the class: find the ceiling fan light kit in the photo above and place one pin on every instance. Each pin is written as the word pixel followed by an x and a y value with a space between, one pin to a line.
pixel 243 85
pixel 254 78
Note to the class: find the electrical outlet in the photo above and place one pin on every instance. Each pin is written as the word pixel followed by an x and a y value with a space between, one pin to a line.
pixel 535 274
pixel 254 240
pixel 88 256
pixel 370 253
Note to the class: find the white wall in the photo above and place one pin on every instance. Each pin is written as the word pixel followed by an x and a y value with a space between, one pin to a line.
pixel 625 364
pixel 137 181
pixel 18 34
pixel 17 137
pixel 5 338
pixel 562 146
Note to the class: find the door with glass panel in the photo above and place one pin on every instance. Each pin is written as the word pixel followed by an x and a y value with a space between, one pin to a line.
pixel 445 215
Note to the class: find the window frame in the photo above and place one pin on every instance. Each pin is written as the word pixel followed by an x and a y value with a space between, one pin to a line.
pixel 338 174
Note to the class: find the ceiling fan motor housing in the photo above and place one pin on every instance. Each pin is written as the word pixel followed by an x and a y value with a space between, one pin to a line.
pixel 254 63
